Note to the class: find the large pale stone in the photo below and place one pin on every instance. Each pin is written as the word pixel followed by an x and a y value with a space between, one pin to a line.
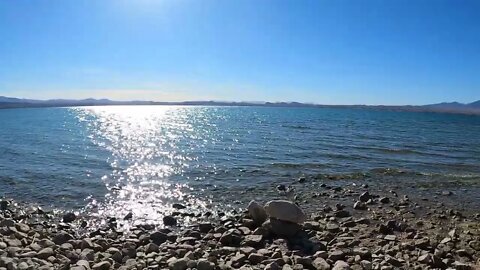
pixel 257 212
pixel 285 210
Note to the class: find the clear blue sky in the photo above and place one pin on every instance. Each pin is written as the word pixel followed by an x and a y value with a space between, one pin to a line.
pixel 331 52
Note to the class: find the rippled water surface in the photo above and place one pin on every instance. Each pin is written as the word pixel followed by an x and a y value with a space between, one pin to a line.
pixel 117 159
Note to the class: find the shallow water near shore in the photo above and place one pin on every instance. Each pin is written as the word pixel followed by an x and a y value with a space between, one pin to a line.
pixel 113 160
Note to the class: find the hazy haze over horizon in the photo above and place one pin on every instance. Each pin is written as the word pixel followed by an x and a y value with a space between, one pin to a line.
pixel 325 52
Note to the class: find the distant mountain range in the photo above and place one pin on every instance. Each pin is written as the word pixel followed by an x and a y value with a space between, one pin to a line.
pixel 456 105
pixel 446 107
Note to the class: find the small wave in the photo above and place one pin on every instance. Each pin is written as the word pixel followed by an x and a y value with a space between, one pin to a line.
pixel 388 171
pixel 389 150
pixel 342 176
pixel 399 151
pixel 298 165
pixel 296 127
pixel 373 173
pixel 452 175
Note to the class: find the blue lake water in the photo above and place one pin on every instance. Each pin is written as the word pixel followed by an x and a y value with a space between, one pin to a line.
pixel 146 157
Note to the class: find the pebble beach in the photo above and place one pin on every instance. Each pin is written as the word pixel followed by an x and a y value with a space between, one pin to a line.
pixel 350 227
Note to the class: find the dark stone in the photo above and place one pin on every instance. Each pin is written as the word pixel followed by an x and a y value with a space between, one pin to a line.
pixel 158 238
pixel 62 238
pixel 284 228
pixel 364 197
pixel 423 243
pixel 69 217
pixel 256 258
pixel 437 262
pixel 393 261
pixel 253 240
pixel 342 213
pixel 205 227
pixel 336 255
pixel 178 206
pixel 327 209
pixel 392 224
pixel 3 205
pixel 384 200
pixel 281 187
pixel 97 232
pixel 231 237
pixel 383 229
pixel 238 260
pixel 359 206
pixel 349 224
pixel 169 221
pixel 128 216
pixel 112 223
pixel 362 221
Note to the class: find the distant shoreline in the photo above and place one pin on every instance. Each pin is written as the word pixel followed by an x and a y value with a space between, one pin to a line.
pixel 405 108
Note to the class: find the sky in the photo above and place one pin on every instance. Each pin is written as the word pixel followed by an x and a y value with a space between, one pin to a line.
pixel 328 52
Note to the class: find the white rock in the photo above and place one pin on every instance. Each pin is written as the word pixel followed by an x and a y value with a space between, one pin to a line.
pixel 341 265
pixel 257 212
pixel 285 210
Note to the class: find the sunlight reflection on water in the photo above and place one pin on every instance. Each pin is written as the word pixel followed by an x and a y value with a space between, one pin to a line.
pixel 143 142
pixel 213 158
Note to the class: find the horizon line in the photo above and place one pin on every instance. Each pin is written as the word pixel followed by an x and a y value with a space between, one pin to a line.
pixel 261 102
pixel 258 102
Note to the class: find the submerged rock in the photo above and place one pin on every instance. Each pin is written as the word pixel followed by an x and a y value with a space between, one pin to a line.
pixel 285 211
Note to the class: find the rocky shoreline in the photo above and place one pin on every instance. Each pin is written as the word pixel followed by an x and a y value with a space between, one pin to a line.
pixel 353 227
